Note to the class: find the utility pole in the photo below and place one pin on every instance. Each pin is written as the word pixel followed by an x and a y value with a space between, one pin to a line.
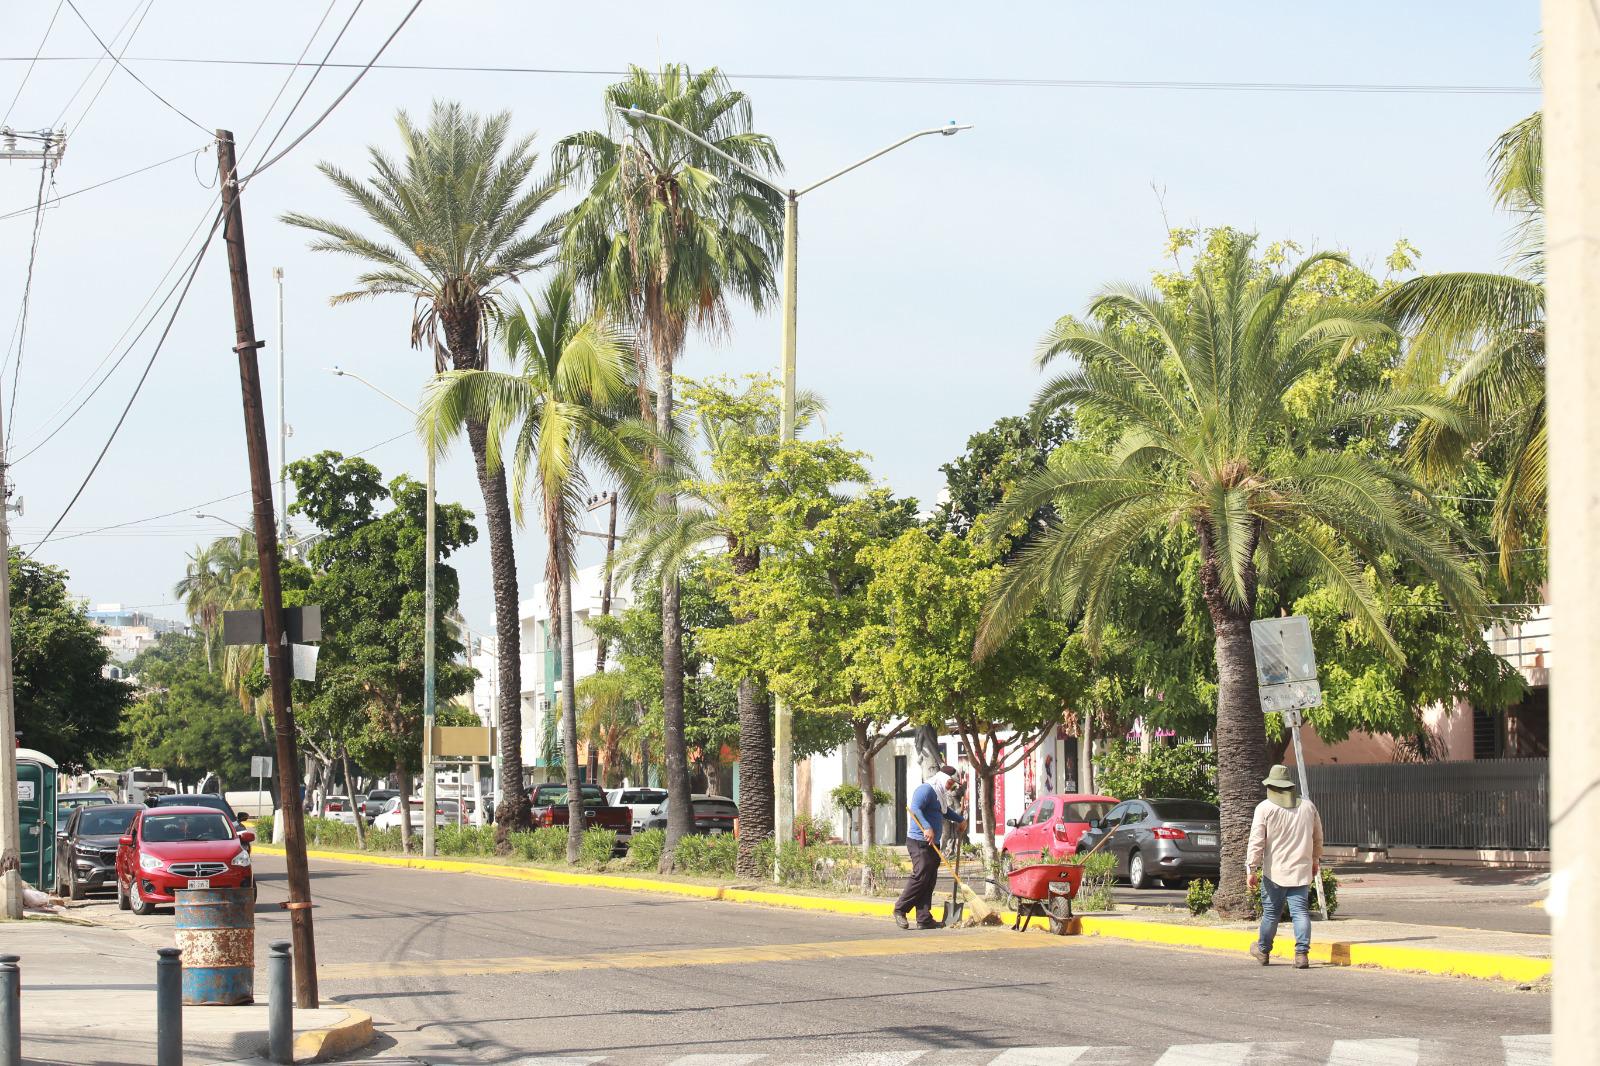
pixel 610 535
pixel 283 425
pixel 277 644
pixel 1571 65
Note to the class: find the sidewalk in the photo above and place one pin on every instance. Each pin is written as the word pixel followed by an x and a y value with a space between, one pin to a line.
pixel 89 998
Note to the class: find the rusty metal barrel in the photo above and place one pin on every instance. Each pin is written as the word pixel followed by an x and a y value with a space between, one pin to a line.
pixel 216 932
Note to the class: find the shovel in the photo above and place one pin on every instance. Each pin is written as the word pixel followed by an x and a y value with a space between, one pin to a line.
pixel 956 908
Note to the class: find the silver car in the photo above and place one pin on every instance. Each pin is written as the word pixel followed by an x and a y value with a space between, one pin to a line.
pixel 1170 840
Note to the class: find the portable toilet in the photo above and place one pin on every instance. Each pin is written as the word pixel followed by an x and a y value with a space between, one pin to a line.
pixel 36 816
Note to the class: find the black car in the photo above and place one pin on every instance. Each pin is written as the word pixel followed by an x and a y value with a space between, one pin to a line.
pixel 67 802
pixel 1171 840
pixel 713 815
pixel 86 850
pixel 203 799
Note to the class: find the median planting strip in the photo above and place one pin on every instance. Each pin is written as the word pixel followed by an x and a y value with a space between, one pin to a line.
pixel 1386 956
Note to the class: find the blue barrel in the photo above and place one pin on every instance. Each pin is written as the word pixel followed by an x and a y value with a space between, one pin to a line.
pixel 216 933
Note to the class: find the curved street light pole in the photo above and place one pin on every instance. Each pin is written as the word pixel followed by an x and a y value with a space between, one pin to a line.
pixel 429 709
pixel 783 721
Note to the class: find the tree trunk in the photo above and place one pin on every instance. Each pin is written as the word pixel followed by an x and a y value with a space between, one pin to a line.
pixel 680 819
pixel 1241 733
pixel 404 780
pixel 864 777
pixel 569 719
pixel 755 776
pixel 985 775
pixel 350 789
pixel 926 739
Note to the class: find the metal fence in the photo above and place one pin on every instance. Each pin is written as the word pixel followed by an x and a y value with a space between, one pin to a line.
pixel 1498 804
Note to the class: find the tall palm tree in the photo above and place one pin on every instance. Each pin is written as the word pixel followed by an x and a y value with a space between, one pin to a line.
pixel 607 721
pixel 213 582
pixel 1487 332
pixel 667 234
pixel 459 219
pixel 1207 443
pixel 569 410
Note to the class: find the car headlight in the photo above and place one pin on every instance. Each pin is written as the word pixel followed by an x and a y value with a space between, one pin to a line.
pixel 242 859
pixel 150 862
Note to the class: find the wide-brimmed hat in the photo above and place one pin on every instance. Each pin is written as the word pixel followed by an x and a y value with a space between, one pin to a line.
pixel 1278 777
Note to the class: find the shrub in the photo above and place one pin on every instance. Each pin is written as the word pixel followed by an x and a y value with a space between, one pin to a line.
pixel 811 829
pixel 329 833
pixel 464 840
pixel 707 856
pixel 1200 896
pixel 598 846
pixel 383 839
pixel 261 825
pixel 847 797
pixel 644 851
pixel 1099 876
pixel 1330 891
pixel 1183 772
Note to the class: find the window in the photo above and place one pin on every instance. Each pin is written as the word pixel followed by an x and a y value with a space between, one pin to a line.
pixel 1134 814
pixel 173 828
pixel 1047 810
pixel 1185 811
pixel 1030 816
pixel 644 795
pixel 1085 811
pixel 93 823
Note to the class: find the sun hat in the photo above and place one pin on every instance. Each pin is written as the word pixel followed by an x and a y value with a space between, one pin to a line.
pixel 1281 788
pixel 1278 777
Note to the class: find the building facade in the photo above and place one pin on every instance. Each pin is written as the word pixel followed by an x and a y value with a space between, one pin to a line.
pixel 125 632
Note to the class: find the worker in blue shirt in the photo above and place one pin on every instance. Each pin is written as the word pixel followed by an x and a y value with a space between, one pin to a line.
pixel 931 803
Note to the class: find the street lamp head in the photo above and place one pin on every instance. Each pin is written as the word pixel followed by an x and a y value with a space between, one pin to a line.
pixel 335 371
pixel 952 129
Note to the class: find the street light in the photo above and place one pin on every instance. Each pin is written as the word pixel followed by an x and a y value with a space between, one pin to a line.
pixel 783 761
pixel 429 786
pixel 224 521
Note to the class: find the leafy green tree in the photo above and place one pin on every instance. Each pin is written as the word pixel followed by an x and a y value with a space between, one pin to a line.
pixel 459 219
pixel 370 571
pixel 1204 392
pixel 1183 771
pixel 65 706
pixel 668 233
pixel 994 461
pixel 184 721
pixel 608 723
pixel 567 407
pixel 212 583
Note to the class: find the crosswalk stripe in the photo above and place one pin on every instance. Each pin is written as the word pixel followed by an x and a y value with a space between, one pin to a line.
pixel 1399 1052
pixel 1039 1056
pixel 715 1060
pixel 1205 1055
pixel 1528 1050
pixel 873 1058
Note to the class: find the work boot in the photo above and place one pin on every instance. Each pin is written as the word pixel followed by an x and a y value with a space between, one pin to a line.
pixel 1301 961
pixel 1256 953
pixel 930 923
pixel 900 920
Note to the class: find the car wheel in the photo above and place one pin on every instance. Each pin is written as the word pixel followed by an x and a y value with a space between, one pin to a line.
pixel 122 897
pixel 141 906
pixel 1137 877
pixel 75 888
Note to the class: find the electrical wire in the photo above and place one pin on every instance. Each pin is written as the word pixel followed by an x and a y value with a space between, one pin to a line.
pixel 170 105
pixel 53 200
pixel 87 78
pixel 27 293
pixel 311 80
pixel 32 63
pixel 83 116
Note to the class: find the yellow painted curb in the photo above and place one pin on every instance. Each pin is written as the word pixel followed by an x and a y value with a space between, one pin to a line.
pixel 350 1035
pixel 1520 968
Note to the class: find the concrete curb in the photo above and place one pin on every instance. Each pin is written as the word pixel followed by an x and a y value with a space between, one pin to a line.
pixel 348 1036
pixel 1488 965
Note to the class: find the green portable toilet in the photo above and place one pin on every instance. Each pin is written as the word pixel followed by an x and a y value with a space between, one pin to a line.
pixel 36 814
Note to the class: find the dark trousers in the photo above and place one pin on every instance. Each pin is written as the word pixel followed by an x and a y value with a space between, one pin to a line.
pixel 919 887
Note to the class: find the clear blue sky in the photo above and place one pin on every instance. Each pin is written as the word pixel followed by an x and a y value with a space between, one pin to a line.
pixel 926 278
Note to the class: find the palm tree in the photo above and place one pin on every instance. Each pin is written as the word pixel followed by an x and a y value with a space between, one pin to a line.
pixel 460 211
pixel 607 721
pixel 567 407
pixel 667 233
pixel 1488 331
pixel 1198 388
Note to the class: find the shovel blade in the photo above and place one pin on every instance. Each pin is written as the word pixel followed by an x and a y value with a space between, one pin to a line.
pixel 953 912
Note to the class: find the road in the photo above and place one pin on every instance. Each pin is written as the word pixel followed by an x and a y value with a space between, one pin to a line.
pixel 479 970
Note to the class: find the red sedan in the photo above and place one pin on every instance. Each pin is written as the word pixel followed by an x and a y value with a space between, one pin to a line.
pixel 1050 828
pixel 168 848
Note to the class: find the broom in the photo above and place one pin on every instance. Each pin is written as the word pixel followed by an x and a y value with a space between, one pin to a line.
pixel 982 913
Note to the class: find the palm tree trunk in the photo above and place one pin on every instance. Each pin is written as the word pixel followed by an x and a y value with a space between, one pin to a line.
pixel 755 753
pixel 1241 737
pixel 680 821
pixel 569 720
pixel 513 812
pixel 404 780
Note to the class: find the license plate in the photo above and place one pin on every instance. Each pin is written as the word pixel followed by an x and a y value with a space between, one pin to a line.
pixel 1206 840
pixel 199 882
pixel 716 832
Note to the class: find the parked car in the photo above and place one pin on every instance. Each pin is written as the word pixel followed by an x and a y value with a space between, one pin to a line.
pixel 332 805
pixel 1051 826
pixel 550 808
pixel 346 812
pixel 86 850
pixel 168 848
pixel 376 801
pixel 639 801
pixel 1170 840
pixel 203 799
pixel 713 815
pixel 67 802
pixel 445 812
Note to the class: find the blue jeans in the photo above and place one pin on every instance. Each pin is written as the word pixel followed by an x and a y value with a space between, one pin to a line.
pixel 1273 896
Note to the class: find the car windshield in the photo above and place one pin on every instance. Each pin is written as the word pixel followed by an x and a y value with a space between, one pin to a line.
pixel 1185 811
pixel 69 802
pixel 1085 811
pixel 104 823
pixel 644 795
pixel 173 828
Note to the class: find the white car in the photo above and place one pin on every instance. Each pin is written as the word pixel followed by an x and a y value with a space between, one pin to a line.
pixel 641 801
pixel 445 812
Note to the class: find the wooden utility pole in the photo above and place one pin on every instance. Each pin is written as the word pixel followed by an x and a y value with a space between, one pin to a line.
pixel 605 590
pixel 280 669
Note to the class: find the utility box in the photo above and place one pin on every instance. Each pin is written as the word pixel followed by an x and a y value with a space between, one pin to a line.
pixel 36 817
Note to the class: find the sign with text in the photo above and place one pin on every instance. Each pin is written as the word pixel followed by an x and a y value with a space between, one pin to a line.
pixel 1286 664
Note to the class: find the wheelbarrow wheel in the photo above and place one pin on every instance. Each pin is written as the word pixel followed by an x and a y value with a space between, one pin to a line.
pixel 1059 910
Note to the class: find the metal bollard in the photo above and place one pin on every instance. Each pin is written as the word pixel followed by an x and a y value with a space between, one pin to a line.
pixel 169 1007
pixel 280 1003
pixel 10 1011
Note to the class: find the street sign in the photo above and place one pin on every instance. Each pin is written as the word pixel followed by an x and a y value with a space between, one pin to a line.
pixel 1283 650
pixel 302 662
pixel 302 625
pixel 260 766
pixel 1294 696
pixel 463 740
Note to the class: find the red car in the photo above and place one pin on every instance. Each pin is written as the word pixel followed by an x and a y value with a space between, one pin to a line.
pixel 168 848
pixel 1051 826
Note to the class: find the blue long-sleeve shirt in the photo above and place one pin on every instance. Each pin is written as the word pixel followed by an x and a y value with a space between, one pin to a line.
pixel 928 807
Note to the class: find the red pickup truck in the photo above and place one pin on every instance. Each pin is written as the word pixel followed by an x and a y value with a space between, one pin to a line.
pixel 550 808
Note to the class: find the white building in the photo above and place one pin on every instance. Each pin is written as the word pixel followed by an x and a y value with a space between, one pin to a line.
pixel 125 632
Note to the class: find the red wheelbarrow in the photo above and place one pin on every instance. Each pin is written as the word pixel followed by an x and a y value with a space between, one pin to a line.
pixel 1045 891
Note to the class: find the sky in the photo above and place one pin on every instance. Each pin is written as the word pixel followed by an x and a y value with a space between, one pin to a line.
pixel 926 278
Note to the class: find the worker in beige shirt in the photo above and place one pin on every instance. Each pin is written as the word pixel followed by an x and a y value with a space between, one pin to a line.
pixel 1285 856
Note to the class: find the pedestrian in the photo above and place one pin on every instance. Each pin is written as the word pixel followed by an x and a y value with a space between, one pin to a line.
pixel 928 806
pixel 1285 856
pixel 955 828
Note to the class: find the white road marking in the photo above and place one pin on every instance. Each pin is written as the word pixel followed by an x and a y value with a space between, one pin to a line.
pixel 714 1060
pixel 1205 1055
pixel 1399 1052
pixel 1040 1056
pixel 873 1058
pixel 1528 1050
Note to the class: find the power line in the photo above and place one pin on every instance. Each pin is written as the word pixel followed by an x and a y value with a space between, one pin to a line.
pixel 110 70
pixel 170 105
pixel 52 201
pixel 27 293
pixel 1412 88
pixel 32 63
pixel 311 80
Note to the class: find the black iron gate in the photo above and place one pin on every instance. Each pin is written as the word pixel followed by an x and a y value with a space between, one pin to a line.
pixel 1489 804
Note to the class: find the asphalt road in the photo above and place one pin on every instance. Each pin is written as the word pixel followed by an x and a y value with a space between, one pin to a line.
pixel 478 970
